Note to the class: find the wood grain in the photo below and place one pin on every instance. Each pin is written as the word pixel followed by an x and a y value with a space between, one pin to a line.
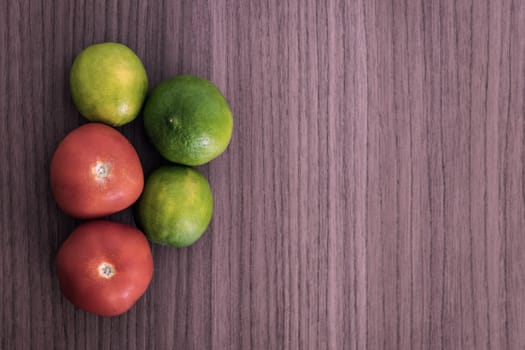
pixel 372 196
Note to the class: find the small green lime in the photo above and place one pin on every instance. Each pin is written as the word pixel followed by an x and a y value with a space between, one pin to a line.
pixel 188 120
pixel 108 83
pixel 176 206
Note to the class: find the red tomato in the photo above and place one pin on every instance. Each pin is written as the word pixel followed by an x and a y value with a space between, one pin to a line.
pixel 95 172
pixel 104 267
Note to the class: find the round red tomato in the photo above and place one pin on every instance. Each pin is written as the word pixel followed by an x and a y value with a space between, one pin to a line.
pixel 104 267
pixel 95 172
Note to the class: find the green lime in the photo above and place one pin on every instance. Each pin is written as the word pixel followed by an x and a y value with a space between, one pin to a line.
pixel 108 83
pixel 176 206
pixel 188 120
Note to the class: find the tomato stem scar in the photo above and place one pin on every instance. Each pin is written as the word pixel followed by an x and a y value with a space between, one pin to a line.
pixel 106 270
pixel 101 169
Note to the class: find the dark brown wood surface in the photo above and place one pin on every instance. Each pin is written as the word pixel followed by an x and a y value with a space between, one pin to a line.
pixel 372 196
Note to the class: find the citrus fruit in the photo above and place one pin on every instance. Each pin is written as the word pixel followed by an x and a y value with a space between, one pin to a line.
pixel 188 120
pixel 108 83
pixel 176 206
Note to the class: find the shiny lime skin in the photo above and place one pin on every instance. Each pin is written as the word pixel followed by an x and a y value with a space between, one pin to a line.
pixel 175 207
pixel 188 120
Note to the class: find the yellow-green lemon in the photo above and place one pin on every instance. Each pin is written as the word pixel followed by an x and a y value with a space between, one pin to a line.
pixel 108 83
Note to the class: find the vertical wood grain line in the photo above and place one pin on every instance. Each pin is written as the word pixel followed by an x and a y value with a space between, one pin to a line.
pixel 487 184
pixel 5 322
pixel 505 180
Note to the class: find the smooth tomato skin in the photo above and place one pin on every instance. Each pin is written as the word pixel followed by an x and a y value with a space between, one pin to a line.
pixel 97 242
pixel 95 172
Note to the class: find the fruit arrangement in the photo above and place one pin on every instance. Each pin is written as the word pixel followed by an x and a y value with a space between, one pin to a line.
pixel 104 267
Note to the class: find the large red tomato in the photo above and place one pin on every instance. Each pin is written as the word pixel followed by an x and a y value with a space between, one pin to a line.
pixel 104 267
pixel 95 172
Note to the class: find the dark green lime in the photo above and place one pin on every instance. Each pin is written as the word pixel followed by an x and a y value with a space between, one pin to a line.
pixel 188 120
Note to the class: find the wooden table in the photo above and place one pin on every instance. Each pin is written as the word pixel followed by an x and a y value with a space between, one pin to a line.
pixel 372 196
